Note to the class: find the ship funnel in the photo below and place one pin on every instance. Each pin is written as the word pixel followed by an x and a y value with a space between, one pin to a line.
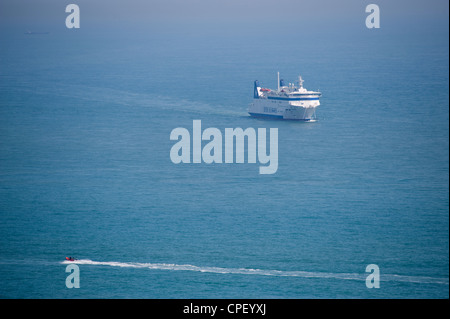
pixel 282 83
pixel 300 81
pixel 255 90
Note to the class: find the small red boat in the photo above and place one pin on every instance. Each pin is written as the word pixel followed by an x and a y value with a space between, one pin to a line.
pixel 70 258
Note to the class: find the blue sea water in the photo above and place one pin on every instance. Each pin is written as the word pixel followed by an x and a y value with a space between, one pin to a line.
pixel 85 171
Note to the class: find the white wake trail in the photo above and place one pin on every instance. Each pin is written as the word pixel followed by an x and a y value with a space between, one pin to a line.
pixel 262 272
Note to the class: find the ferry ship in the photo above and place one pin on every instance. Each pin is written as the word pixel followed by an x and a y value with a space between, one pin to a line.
pixel 288 102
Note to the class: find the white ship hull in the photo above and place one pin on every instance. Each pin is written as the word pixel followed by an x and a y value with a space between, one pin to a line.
pixel 287 102
pixel 282 110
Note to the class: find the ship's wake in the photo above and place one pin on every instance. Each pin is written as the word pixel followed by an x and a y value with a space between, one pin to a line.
pixel 262 272
pixel 128 99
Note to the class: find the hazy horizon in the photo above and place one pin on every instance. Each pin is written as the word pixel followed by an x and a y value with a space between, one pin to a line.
pixel 283 16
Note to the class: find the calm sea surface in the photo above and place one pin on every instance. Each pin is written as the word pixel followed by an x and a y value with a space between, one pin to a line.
pixel 85 171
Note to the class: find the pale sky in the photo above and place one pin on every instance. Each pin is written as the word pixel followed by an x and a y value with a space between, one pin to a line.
pixel 231 13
